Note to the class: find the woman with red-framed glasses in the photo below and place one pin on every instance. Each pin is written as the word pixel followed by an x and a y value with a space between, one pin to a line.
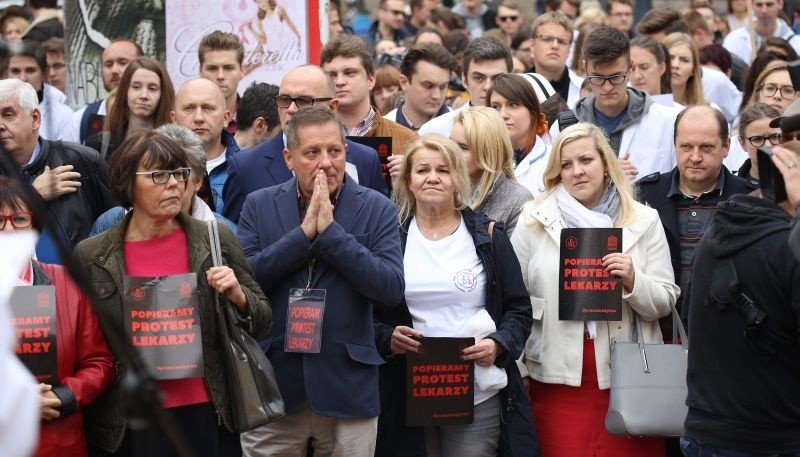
pixel 76 365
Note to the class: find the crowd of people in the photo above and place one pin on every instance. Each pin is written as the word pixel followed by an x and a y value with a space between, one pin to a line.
pixel 414 183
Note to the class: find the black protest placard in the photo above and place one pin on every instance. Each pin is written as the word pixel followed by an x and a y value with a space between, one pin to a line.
pixel 34 311
pixel 439 385
pixel 587 291
pixel 304 321
pixel 383 145
pixel 162 321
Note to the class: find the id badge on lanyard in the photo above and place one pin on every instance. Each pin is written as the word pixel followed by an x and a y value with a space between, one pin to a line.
pixel 304 314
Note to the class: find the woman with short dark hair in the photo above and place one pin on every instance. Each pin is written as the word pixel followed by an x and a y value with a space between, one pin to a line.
pixel 156 239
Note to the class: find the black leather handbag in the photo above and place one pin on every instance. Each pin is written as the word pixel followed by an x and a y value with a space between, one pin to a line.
pixel 252 388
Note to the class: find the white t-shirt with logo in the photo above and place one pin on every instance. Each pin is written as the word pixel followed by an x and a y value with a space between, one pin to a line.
pixel 445 284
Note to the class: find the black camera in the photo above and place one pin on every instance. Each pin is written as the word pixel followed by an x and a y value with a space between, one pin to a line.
pixel 770 179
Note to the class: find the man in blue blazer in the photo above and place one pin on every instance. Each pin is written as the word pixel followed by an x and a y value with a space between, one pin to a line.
pixel 263 165
pixel 321 231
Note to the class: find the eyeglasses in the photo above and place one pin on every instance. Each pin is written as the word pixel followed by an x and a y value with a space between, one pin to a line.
pixel 622 14
pixel 758 140
pixel 787 92
pixel 550 39
pixel 162 177
pixel 615 80
pixel 787 137
pixel 507 18
pixel 20 219
pixel 395 12
pixel 285 101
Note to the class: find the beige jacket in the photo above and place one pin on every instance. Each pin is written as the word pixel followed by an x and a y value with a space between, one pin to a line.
pixel 554 350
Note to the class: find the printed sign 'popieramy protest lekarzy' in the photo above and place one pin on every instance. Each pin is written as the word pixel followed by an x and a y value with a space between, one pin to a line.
pixel 34 310
pixel 439 385
pixel 587 291
pixel 162 322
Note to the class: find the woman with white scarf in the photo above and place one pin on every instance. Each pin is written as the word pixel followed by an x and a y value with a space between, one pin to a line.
pixel 567 363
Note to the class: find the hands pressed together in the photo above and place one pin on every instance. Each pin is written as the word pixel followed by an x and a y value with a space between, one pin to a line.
pixel 319 214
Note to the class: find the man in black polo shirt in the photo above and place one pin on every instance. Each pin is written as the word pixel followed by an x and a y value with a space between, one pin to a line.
pixel 686 198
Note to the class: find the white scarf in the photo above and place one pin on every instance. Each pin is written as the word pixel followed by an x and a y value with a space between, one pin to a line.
pixel 578 216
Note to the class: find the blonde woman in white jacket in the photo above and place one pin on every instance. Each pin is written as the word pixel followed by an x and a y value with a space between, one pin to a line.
pixel 567 363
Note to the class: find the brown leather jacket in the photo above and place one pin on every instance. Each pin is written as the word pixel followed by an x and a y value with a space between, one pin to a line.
pixel 401 136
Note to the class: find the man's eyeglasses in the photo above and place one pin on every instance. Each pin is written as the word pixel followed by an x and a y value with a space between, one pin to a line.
pixel 758 140
pixel 162 177
pixel 787 92
pixel 285 101
pixel 615 80
pixel 622 14
pixel 550 39
pixel 507 18
pixel 20 219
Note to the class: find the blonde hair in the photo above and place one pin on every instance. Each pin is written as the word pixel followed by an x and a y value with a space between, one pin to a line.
pixel 552 174
pixel 402 196
pixel 772 67
pixel 693 94
pixel 488 142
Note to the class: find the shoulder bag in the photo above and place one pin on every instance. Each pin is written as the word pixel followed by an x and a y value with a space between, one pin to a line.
pixel 252 388
pixel 648 385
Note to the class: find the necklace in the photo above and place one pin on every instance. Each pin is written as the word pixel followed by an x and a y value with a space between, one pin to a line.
pixel 445 231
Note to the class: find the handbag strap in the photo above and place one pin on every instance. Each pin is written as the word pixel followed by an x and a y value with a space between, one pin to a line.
pixel 637 334
pixel 676 323
pixel 213 238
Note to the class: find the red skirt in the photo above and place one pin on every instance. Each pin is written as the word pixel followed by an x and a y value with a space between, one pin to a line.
pixel 570 421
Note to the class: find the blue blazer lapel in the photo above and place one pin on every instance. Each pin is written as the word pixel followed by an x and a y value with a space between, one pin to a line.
pixel 275 164
pixel 286 202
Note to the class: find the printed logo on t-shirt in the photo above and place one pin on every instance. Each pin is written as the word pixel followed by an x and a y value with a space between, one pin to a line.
pixel 465 280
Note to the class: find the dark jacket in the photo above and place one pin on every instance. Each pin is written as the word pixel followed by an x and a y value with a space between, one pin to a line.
pixel 85 364
pixel 508 303
pixel 653 190
pixel 102 256
pixel 76 212
pixel 743 375
pixel 357 260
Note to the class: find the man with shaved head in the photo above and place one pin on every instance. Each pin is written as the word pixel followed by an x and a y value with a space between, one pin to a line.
pixel 200 106
pixel 264 166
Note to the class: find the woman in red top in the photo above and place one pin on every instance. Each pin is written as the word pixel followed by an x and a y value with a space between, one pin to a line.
pixel 85 366
pixel 149 173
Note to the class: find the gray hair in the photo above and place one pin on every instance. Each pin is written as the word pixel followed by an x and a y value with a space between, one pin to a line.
pixel 24 93
pixel 190 143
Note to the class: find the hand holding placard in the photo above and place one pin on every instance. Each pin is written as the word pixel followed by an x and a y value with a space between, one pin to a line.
pixel 405 340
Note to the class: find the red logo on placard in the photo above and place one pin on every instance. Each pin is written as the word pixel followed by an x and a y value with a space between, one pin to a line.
pixel 43 300
pixel 137 293
pixel 612 243
pixel 186 290
pixel 383 149
pixel 572 242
